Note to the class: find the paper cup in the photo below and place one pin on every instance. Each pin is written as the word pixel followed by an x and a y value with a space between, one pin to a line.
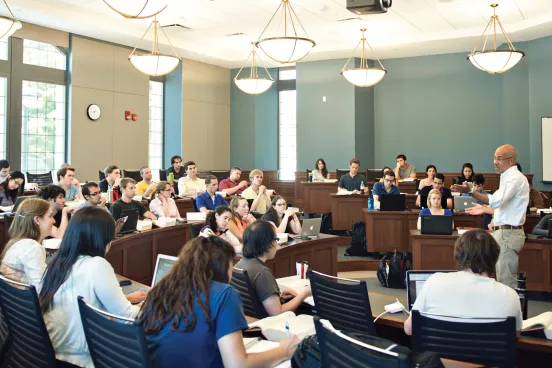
pixel 302 268
pixel 270 192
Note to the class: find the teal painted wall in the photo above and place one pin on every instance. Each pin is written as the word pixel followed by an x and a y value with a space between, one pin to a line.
pixel 173 115
pixel 364 126
pixel 254 126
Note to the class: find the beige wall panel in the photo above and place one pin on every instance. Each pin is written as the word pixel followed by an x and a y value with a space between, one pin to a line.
pixel 222 138
pixel 126 78
pixel 193 133
pixel 205 82
pixel 43 34
pixel 92 64
pixel 130 138
pixel 91 141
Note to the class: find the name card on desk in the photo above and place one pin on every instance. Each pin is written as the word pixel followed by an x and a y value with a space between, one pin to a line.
pixel 196 216
pixel 144 225
pixel 165 222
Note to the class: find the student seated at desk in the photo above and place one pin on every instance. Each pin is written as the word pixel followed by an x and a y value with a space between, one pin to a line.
pixel 320 172
pixel 24 257
pixel 257 192
pixel 431 170
pixel 472 291
pixel 260 245
pixel 67 180
pixel 285 221
pixel 79 268
pixel 467 175
pixel 128 189
pixel 232 185
pixel 403 170
pixel 541 229
pixel 241 218
pixel 163 205
pixel 387 187
pixel 352 180
pixel 191 185
pixel 93 196
pixel 193 317
pixel 175 168
pixel 434 207
pixel 210 200
pixel 112 179
pixel 216 224
pixel 55 195
pixel 12 188
pixel 536 200
pixel 438 182
pixel 145 187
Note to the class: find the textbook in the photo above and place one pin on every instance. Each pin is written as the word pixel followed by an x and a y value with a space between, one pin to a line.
pixel 542 321
pixel 256 345
pixel 274 328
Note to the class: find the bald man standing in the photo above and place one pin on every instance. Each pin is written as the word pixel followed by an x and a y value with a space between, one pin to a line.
pixel 510 205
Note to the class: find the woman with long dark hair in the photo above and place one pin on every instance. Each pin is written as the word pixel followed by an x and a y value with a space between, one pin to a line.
pixel 431 170
pixel 216 224
pixel 80 269
pixel 13 187
pixel 284 220
pixel 466 175
pixel 193 317
pixel 321 171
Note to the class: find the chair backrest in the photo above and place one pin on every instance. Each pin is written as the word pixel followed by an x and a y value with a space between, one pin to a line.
pixel 8 219
pixel 343 302
pixel 40 179
pixel 163 175
pixel 195 229
pixel 30 342
pixel 101 175
pixel 132 174
pixel 4 335
pixel 340 172
pixel 252 305
pixel 337 352
pixel 465 339
pixel 221 174
pixel 203 174
pixel 114 342
pixel 308 172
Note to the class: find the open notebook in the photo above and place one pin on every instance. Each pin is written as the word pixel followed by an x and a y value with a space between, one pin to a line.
pixel 256 345
pixel 542 321
pixel 274 328
pixel 295 283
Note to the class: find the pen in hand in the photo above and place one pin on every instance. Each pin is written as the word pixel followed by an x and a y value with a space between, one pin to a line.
pixel 287 329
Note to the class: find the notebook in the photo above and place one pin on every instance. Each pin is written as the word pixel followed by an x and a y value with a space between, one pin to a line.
pixel 274 328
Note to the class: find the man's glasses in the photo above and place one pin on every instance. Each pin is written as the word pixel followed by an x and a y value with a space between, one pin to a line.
pixel 166 190
pixel 95 194
pixel 500 158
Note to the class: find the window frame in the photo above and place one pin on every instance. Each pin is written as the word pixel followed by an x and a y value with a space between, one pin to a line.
pixel 160 79
pixel 286 85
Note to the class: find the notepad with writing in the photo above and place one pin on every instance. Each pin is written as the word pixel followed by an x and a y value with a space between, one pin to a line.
pixel 274 328
pixel 542 321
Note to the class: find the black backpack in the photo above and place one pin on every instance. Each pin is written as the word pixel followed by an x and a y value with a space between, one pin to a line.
pixel 326 224
pixel 358 241
pixel 394 276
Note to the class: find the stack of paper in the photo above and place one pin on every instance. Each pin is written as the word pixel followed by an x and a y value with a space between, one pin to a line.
pixel 274 328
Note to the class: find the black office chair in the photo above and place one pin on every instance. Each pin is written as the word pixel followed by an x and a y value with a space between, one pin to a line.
pixel 489 343
pixel 337 352
pixel 308 172
pixel 163 175
pixel 41 180
pixel 340 172
pixel 221 174
pixel 132 174
pixel 101 175
pixel 114 342
pixel 203 174
pixel 8 219
pixel 343 302
pixel 30 343
pixel 195 229
pixel 4 336
pixel 252 305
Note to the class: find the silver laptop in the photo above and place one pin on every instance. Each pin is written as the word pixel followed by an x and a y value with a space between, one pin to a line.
pixel 162 267
pixel 311 228
pixel 461 203
pixel 415 280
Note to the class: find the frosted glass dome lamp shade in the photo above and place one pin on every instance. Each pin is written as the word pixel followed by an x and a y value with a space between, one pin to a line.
pixel 8 25
pixel 494 61
pixel 364 76
pixel 288 47
pixel 155 63
pixel 254 85
pixel 137 9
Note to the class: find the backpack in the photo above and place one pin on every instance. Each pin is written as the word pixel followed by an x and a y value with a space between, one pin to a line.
pixel 358 240
pixel 308 353
pixel 326 224
pixel 394 274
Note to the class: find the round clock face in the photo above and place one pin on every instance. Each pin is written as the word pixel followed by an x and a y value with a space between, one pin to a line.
pixel 93 112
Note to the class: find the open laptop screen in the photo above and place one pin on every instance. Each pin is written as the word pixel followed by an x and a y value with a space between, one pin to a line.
pixel 415 280
pixel 162 267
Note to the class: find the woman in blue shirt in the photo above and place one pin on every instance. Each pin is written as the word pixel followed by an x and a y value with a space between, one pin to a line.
pixel 194 318
pixel 434 207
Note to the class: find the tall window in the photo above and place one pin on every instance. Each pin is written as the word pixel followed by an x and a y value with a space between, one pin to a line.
pixel 3 108
pixel 43 54
pixel 43 127
pixel 155 125
pixel 4 50
pixel 287 150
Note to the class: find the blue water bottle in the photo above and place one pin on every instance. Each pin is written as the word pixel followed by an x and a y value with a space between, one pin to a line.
pixel 370 203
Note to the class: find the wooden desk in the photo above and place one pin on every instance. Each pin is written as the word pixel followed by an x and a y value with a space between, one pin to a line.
pixel 436 252
pixel 347 209
pixel 316 196
pixel 387 231
pixel 531 221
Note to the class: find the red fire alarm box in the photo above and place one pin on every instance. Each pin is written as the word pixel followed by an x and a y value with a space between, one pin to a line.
pixel 134 117
pixel 127 114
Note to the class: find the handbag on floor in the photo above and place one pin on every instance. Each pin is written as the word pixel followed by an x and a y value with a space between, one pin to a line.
pixel 392 270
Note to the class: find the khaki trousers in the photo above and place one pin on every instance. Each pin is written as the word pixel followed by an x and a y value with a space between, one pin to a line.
pixel 511 242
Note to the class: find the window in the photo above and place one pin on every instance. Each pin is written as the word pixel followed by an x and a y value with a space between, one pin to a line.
pixel 4 50
pixel 42 127
pixel 287 150
pixel 43 54
pixel 155 125
pixel 3 107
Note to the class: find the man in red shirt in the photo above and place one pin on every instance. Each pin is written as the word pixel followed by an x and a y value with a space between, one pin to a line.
pixel 233 185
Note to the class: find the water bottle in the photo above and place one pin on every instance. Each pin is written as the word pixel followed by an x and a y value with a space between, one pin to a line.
pixel 521 289
pixel 109 193
pixel 170 178
pixel 309 179
pixel 362 186
pixel 370 203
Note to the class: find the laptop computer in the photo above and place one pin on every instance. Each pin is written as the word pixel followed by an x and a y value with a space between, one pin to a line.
pixel 162 266
pixel 437 225
pixel 129 226
pixel 461 203
pixel 393 202
pixel 14 208
pixel 311 228
pixel 414 282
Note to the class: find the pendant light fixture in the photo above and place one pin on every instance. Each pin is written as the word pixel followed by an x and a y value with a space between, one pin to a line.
pixel 289 47
pixel 364 76
pixel 137 9
pixel 8 25
pixel 494 61
pixel 253 85
pixel 155 63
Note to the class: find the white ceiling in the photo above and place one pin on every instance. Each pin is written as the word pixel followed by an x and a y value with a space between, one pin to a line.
pixel 410 28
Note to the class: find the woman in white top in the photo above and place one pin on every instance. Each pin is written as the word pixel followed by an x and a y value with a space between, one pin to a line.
pixel 80 269
pixel 321 171
pixel 431 170
pixel 163 205
pixel 216 224
pixel 472 291
pixel 24 257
